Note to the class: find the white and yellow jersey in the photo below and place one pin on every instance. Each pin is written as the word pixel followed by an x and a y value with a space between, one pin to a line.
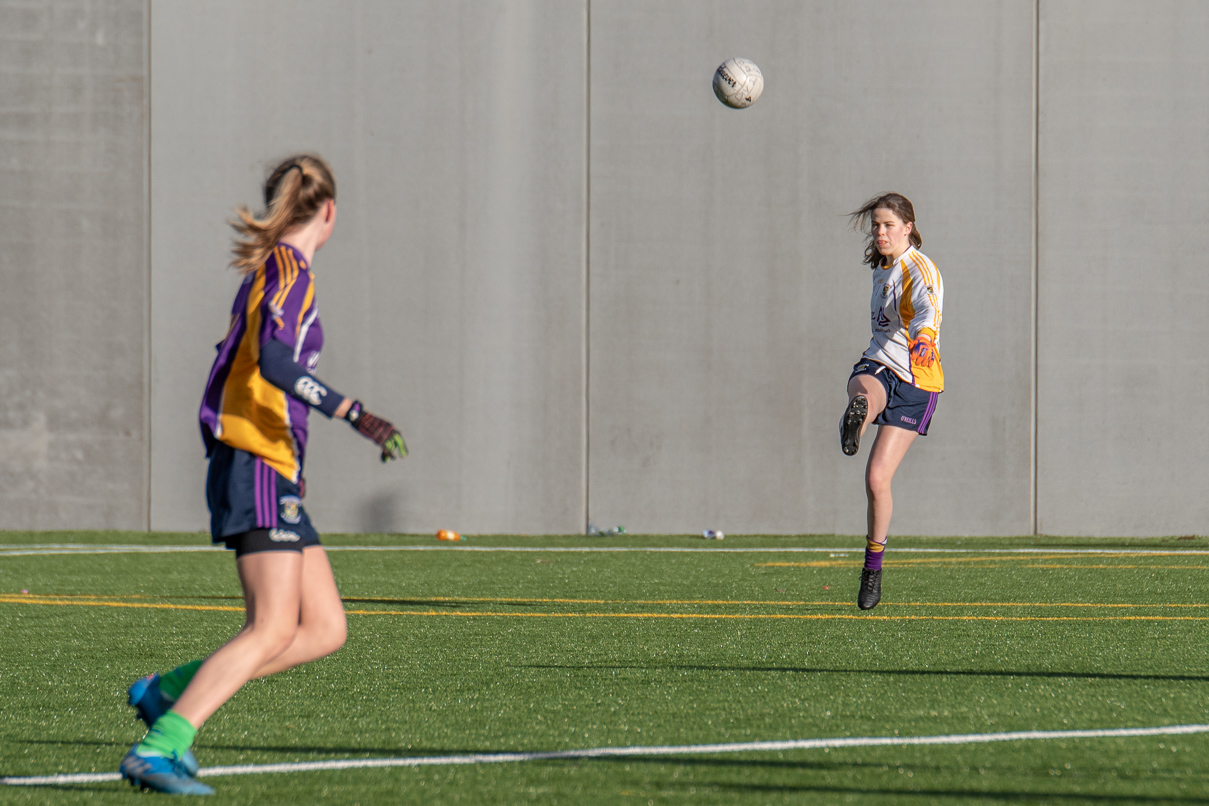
pixel 907 297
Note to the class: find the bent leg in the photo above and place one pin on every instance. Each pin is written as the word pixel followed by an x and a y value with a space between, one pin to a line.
pixel 272 586
pixel 889 448
pixel 873 391
pixel 322 625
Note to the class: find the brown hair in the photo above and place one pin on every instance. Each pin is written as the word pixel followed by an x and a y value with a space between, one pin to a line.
pixel 293 194
pixel 862 219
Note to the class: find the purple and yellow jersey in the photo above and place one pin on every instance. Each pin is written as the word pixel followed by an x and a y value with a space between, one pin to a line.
pixel 241 408
pixel 907 298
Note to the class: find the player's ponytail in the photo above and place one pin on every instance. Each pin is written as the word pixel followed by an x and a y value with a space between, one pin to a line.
pixel 896 203
pixel 293 194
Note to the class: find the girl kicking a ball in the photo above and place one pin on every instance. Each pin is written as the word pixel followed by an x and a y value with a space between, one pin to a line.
pixel 899 378
pixel 254 425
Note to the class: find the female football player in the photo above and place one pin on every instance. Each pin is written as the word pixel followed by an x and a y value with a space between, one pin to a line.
pixel 254 425
pixel 898 379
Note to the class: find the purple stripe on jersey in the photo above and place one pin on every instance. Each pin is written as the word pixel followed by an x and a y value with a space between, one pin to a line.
pixel 927 418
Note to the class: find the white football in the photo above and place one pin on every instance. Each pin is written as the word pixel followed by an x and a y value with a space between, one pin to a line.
pixel 738 83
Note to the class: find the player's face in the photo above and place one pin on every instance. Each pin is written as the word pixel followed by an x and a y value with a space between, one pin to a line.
pixel 891 234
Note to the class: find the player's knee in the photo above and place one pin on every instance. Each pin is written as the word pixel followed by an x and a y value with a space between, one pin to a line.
pixel 328 635
pixel 275 637
pixel 877 482
pixel 336 633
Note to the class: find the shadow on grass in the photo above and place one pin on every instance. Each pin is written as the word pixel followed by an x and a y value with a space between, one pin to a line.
pixel 1169 678
pixel 101 787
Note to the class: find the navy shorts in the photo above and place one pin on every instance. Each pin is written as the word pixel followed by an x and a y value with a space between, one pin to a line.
pixel 906 406
pixel 247 495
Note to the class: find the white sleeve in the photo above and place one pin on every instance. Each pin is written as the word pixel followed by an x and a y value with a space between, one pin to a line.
pixel 927 295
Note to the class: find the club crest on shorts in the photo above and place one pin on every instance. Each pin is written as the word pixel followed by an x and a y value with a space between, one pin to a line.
pixel 283 536
pixel 291 508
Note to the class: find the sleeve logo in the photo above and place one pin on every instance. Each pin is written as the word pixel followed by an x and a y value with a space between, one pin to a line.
pixel 310 390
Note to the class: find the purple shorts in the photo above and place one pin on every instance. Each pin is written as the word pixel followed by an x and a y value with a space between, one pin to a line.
pixel 906 406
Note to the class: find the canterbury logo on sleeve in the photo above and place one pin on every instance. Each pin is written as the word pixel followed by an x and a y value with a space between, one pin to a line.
pixel 310 390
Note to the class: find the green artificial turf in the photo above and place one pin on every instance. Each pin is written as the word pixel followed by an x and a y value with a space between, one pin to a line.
pixel 456 651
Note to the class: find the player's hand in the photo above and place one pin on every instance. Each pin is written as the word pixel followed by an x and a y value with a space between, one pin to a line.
pixel 378 431
pixel 923 350
pixel 394 447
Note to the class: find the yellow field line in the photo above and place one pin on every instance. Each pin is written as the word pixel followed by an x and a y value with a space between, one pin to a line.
pixel 488 614
pixel 100 603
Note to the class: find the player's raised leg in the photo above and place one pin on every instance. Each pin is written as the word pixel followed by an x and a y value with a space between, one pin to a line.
pixel 866 400
pixel 889 448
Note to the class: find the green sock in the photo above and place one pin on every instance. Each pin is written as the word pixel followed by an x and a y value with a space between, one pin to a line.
pixel 170 735
pixel 173 683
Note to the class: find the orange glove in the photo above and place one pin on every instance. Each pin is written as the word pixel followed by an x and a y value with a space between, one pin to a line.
pixel 923 350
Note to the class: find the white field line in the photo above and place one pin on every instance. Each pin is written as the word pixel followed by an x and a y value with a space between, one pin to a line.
pixel 84 548
pixel 617 752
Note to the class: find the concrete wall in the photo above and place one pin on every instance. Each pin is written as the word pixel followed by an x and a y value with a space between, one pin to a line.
pixel 586 290
pixel 452 292
pixel 1124 186
pixel 728 298
pixel 73 265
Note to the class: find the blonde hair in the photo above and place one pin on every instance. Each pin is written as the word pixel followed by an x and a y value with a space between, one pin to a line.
pixel 896 203
pixel 293 194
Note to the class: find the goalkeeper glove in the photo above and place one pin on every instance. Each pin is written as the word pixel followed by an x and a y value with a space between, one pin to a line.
pixel 923 350
pixel 378 431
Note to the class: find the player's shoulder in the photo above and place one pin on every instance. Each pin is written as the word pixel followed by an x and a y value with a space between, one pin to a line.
pixel 917 261
pixel 286 269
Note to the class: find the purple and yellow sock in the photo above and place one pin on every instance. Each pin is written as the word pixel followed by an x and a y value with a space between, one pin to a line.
pixel 873 554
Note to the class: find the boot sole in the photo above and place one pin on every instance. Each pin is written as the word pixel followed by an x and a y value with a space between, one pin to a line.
pixel 854 418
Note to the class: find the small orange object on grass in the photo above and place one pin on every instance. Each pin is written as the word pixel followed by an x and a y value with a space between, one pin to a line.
pixel 445 534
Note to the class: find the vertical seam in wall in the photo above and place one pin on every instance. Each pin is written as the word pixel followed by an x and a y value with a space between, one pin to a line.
pixel 147 474
pixel 1034 351
pixel 587 273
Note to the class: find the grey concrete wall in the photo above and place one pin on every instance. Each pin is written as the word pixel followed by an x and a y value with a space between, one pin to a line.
pixel 728 300
pixel 691 372
pixel 452 292
pixel 73 265
pixel 1124 185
